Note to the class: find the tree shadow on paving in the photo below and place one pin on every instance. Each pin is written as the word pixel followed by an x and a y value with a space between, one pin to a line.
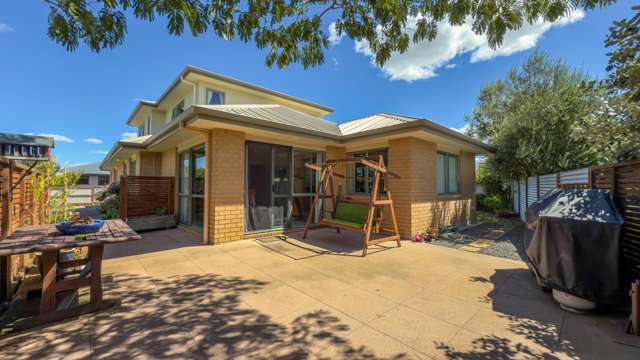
pixel 187 316
pixel 532 323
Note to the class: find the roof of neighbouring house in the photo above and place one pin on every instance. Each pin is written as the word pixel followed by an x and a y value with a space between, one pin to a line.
pixel 88 169
pixel 25 147
pixel 22 139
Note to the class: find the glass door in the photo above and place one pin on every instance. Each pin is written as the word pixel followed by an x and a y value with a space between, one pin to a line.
pixel 268 186
pixel 191 164
pixel 305 181
pixel 184 169
pixel 197 187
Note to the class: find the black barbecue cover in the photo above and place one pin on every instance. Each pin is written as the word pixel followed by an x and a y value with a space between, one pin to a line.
pixel 574 242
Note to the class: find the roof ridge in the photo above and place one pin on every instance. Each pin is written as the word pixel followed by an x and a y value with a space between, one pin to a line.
pixel 397 116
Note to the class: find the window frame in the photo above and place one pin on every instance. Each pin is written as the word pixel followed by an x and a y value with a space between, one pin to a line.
pixel 446 174
pixel 206 96
pixel 351 171
pixel 177 110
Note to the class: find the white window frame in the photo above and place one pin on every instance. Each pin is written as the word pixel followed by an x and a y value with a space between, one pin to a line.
pixel 177 110
pixel 206 96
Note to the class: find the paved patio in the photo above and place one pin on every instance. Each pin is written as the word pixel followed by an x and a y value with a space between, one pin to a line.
pixel 319 300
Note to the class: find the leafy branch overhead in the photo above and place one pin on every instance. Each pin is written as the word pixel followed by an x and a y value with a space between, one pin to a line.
pixel 295 31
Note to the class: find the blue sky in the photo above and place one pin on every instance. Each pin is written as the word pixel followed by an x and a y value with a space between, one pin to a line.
pixel 83 95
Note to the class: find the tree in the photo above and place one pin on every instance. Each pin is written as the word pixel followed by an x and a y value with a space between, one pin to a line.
pixel 293 30
pixel 546 117
pixel 624 60
pixel 55 204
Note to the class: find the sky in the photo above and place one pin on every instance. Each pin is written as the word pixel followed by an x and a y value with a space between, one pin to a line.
pixel 83 99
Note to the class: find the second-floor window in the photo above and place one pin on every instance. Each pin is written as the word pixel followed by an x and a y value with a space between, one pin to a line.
pixel 177 110
pixel 215 97
pixel 141 131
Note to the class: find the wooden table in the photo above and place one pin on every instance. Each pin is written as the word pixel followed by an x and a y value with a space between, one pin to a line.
pixel 47 240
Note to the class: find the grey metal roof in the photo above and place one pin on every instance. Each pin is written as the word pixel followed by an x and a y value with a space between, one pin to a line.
pixel 375 121
pixel 93 168
pixel 20 139
pixel 280 115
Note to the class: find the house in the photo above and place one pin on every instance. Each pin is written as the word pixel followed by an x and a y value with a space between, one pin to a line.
pixel 238 150
pixel 91 174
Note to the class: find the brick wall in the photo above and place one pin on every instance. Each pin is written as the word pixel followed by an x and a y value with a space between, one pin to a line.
pixel 226 184
pixel 417 204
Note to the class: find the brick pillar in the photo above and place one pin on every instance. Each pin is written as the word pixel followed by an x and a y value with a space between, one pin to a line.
pixel 413 194
pixel 226 186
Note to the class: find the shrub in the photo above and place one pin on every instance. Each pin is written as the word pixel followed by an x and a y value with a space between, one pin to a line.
pixel 489 202
pixel 110 206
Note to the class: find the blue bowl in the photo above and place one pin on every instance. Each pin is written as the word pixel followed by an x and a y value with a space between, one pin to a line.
pixel 68 228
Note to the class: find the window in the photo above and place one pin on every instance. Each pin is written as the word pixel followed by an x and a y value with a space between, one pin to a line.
pixel 359 177
pixel 103 180
pixel 141 131
pixel 214 97
pixel 447 172
pixel 132 167
pixel 83 180
pixel 177 110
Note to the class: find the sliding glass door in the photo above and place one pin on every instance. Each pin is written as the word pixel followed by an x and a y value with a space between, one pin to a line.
pixel 279 188
pixel 191 164
pixel 268 181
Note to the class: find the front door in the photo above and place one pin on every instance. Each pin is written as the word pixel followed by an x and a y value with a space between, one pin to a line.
pixel 268 181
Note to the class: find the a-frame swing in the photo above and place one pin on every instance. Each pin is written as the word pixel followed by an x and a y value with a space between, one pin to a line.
pixel 352 216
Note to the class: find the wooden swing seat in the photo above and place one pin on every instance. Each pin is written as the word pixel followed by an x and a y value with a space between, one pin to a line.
pixel 364 218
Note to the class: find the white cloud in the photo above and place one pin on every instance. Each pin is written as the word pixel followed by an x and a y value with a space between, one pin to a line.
pixel 125 135
pixel 334 38
pixel 335 61
pixel 56 137
pixel 4 28
pixel 421 60
pixel 100 152
pixel 92 141
pixel 462 130
pixel 450 66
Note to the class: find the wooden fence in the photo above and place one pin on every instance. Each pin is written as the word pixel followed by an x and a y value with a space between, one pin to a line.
pixel 146 195
pixel 18 207
pixel 623 182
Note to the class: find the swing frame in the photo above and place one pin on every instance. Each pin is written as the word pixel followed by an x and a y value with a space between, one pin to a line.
pixel 373 222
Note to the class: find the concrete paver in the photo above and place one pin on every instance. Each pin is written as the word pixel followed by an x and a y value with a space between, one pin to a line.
pixel 280 299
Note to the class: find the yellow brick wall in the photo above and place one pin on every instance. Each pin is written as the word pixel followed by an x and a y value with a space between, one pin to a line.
pixel 149 163
pixel 168 163
pixel 417 203
pixel 226 186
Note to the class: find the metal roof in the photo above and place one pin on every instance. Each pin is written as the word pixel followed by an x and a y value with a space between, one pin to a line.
pixel 20 139
pixel 93 169
pixel 279 114
pixel 375 121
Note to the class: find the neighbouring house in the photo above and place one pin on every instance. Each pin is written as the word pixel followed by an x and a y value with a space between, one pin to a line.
pixel 238 150
pixel 91 174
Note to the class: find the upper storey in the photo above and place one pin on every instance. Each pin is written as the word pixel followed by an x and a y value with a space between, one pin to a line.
pixel 196 86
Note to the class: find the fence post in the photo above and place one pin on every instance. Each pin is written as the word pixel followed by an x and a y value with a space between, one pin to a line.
pixel 23 202
pixel 123 198
pixel 172 196
pixel 6 202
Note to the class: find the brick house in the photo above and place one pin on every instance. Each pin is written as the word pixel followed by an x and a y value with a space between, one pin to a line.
pixel 238 150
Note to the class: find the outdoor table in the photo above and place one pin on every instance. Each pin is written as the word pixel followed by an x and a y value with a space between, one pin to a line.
pixel 49 241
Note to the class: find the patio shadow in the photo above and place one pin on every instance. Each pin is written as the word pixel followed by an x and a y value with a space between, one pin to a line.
pixel 186 316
